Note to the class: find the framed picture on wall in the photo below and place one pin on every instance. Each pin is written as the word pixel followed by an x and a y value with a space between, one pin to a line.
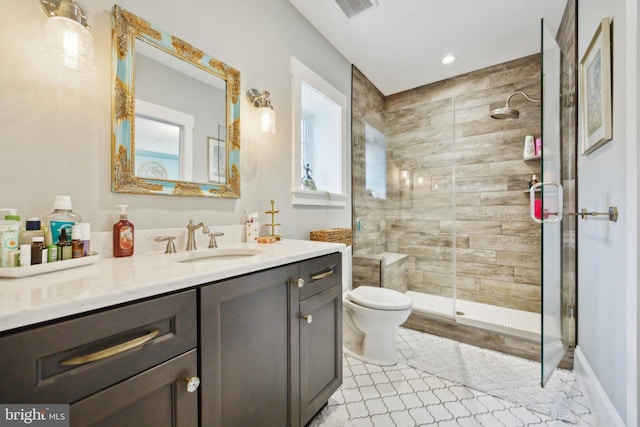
pixel 595 90
pixel 217 165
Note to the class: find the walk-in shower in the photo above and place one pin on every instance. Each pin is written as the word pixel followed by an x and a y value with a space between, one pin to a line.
pixel 440 183
pixel 436 179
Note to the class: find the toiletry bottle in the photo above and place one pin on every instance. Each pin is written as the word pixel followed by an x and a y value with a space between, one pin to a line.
pixel 64 246
pixel 52 253
pixel 533 181
pixel 538 146
pixel 25 256
pixel 77 245
pixel 9 231
pixel 61 218
pixel 529 147
pixel 37 246
pixel 123 235
pixel 31 230
pixel 85 230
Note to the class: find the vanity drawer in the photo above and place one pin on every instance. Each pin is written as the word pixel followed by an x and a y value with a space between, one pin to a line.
pixel 72 359
pixel 320 274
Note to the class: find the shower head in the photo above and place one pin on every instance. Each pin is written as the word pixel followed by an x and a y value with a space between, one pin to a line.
pixel 507 112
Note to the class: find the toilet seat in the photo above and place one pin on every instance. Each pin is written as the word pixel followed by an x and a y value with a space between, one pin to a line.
pixel 379 298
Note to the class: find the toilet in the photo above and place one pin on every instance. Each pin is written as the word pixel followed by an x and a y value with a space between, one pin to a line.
pixel 370 318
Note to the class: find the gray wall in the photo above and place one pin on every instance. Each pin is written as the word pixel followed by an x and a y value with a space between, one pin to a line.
pixel 607 251
pixel 55 125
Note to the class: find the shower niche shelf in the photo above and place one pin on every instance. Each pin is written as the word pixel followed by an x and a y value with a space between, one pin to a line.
pixel 531 159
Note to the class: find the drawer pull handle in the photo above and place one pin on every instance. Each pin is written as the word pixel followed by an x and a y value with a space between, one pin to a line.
pixel 192 384
pixel 323 275
pixel 111 351
pixel 308 318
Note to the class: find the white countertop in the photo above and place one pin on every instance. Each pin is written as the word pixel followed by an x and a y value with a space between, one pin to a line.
pixel 111 281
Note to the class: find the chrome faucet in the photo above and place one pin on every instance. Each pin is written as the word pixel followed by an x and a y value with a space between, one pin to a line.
pixel 191 237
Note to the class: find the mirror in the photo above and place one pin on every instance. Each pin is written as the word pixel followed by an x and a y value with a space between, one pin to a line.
pixel 176 115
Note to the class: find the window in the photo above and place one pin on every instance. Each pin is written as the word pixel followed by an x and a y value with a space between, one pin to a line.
pixel 376 162
pixel 320 160
pixel 163 142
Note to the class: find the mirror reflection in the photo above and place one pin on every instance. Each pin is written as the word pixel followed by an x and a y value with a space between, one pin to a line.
pixel 181 134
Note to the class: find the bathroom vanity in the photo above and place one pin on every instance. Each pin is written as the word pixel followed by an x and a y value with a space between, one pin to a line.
pixel 216 342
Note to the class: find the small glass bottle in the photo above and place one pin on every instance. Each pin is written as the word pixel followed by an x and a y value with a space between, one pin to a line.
pixel 37 246
pixel 64 246
pixel 52 253
pixel 77 245
pixel 31 230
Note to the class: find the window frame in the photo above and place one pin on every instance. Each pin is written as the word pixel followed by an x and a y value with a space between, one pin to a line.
pixel 301 73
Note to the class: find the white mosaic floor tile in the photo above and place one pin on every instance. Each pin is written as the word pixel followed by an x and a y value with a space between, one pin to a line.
pixel 401 396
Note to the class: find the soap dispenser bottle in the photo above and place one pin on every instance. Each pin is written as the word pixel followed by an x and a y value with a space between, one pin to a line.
pixel 123 235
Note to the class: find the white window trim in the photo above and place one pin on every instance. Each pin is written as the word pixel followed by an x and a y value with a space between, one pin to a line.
pixel 300 73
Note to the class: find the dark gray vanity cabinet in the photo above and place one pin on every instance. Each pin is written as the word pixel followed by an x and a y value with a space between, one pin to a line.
pixel 124 366
pixel 264 361
pixel 266 347
pixel 245 350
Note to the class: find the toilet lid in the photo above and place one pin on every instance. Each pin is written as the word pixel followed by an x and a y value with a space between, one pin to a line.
pixel 379 298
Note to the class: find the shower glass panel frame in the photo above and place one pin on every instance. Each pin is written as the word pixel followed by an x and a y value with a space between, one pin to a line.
pixel 552 345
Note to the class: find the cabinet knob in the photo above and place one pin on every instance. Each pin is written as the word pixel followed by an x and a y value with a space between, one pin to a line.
pixel 299 282
pixel 192 384
pixel 308 318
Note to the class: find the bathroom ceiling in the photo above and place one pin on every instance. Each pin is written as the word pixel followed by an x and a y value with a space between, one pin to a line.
pixel 398 44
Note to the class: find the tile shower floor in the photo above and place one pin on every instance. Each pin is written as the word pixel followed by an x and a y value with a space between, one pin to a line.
pixel 401 396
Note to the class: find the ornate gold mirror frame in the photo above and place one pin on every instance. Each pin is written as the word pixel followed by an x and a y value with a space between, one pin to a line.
pixel 127 29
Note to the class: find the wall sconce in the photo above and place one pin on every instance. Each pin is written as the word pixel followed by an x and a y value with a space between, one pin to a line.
pixel 67 39
pixel 262 102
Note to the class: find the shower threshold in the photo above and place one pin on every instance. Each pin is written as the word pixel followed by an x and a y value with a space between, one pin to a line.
pixel 517 323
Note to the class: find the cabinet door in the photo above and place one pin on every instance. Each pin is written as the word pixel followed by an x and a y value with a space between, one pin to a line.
pixel 245 350
pixel 157 397
pixel 320 350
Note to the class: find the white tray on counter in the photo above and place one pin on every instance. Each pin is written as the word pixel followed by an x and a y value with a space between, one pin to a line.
pixel 32 270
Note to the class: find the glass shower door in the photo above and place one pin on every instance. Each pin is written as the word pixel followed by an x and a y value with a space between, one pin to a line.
pixel 550 207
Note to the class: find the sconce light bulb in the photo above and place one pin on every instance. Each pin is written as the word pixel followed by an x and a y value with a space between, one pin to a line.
pixel 69 44
pixel 267 120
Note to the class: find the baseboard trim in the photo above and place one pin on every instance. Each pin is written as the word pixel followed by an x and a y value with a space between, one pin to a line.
pixel 602 410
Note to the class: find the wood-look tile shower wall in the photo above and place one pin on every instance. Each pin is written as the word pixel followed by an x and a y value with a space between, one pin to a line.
pixel 443 131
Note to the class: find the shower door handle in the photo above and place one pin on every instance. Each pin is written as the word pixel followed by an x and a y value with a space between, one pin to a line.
pixel 544 215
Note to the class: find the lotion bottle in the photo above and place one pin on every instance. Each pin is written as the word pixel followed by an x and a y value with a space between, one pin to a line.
pixel 123 235
pixel 9 230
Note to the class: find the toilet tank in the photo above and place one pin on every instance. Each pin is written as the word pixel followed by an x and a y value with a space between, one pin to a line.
pixel 346 269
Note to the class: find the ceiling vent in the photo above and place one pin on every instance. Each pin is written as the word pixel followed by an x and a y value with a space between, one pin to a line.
pixel 354 7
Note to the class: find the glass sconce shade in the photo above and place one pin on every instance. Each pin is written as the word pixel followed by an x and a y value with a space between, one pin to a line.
pixel 267 120
pixel 69 44
pixel 267 117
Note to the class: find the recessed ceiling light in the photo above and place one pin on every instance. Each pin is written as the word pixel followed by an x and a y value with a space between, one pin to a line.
pixel 448 59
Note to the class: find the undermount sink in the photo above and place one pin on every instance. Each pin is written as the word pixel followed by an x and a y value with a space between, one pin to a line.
pixel 218 254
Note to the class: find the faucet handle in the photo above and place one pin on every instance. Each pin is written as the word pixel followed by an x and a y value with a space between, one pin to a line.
pixel 171 247
pixel 212 240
